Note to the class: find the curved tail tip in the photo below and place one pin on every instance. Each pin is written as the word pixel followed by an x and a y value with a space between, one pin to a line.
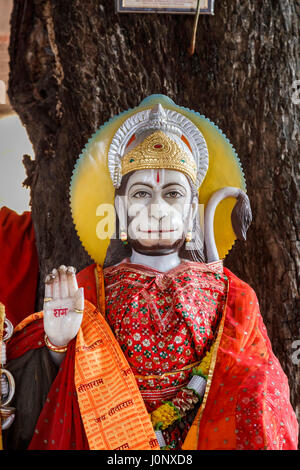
pixel 241 216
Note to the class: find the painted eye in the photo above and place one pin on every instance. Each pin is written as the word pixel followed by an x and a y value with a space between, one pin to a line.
pixel 173 194
pixel 141 194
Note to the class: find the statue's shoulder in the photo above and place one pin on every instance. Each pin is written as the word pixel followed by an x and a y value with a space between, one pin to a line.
pixel 87 278
pixel 241 287
pixel 86 274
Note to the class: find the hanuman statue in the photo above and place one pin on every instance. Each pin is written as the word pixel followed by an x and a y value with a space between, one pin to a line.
pixel 156 345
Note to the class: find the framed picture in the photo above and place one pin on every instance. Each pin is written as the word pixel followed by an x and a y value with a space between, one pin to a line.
pixel 165 6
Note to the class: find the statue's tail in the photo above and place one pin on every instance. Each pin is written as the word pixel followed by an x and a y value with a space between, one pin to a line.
pixel 241 218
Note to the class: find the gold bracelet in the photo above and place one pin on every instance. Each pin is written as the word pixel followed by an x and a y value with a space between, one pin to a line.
pixel 77 310
pixel 52 347
pixel 48 299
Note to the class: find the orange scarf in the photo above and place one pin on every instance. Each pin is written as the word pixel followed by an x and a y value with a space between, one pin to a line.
pixel 112 409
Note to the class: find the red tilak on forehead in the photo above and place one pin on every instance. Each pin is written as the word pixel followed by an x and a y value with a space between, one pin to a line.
pixel 157 176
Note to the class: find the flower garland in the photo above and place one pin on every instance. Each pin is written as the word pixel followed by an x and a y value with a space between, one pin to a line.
pixel 171 411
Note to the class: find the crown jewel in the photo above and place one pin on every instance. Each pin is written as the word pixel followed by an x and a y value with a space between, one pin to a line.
pixel 181 136
pixel 159 151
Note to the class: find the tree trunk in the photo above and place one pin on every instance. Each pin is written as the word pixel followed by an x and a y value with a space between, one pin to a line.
pixel 76 64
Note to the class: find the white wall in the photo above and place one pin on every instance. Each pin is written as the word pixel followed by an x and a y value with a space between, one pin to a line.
pixel 14 143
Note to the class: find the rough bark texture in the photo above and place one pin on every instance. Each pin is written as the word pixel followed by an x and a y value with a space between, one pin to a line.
pixel 76 64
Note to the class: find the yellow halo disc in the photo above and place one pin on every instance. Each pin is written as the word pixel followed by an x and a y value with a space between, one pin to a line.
pixel 92 192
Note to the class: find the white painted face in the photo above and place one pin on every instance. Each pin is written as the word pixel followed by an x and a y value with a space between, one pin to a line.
pixel 158 208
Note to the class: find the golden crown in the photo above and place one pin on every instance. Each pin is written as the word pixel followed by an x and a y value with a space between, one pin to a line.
pixel 159 151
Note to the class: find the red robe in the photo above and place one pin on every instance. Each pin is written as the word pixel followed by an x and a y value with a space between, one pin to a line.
pixel 18 266
pixel 246 404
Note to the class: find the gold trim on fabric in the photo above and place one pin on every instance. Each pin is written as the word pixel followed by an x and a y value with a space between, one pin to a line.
pixel 211 369
pixel 213 362
pixel 97 285
pixel 101 290
pixel 153 376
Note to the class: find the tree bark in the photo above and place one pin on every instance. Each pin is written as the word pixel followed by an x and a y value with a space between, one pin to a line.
pixel 76 64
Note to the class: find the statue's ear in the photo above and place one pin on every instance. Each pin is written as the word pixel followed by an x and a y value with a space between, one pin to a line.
pixel 192 213
pixel 121 210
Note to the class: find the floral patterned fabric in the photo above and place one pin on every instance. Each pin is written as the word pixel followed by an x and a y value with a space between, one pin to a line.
pixel 164 322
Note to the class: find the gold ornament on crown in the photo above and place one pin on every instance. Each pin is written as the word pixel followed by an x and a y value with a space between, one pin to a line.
pixel 159 151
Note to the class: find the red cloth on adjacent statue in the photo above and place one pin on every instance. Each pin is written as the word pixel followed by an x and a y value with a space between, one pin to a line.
pixel 18 264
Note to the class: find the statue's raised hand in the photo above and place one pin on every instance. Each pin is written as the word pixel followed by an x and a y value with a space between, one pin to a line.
pixel 63 305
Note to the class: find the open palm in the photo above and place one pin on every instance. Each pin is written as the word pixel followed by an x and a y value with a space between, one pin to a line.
pixel 63 305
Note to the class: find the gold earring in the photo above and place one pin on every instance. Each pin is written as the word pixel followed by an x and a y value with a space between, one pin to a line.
pixel 189 236
pixel 123 237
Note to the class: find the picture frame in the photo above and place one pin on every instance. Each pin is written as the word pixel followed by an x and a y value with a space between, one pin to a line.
pixel 165 6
